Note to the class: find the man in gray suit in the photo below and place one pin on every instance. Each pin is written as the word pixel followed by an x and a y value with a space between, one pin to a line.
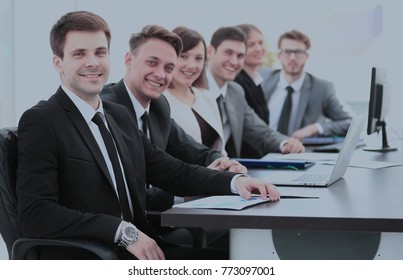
pixel 225 60
pixel 314 107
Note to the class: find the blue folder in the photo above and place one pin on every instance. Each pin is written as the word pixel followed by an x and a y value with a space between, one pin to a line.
pixel 274 163
pixel 322 140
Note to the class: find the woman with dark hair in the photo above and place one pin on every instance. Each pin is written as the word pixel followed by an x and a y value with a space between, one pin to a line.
pixel 191 106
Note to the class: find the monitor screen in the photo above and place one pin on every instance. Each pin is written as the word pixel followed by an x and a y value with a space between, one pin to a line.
pixel 375 103
pixel 378 108
pixel 378 100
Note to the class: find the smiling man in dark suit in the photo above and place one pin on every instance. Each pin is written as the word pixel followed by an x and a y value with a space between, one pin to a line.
pixel 67 179
pixel 149 70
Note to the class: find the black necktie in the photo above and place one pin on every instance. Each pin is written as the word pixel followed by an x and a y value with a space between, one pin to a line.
pixel 144 128
pixel 113 156
pixel 144 118
pixel 221 108
pixel 286 112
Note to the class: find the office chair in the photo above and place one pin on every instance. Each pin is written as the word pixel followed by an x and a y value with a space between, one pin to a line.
pixel 19 246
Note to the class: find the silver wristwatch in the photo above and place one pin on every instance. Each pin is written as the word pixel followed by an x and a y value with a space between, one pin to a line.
pixel 129 235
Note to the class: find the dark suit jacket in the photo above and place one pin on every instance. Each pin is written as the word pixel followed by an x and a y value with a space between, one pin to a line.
pixel 63 186
pixel 255 98
pixel 253 95
pixel 164 131
pixel 318 103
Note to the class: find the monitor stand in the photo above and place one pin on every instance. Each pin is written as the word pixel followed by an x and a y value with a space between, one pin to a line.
pixel 385 147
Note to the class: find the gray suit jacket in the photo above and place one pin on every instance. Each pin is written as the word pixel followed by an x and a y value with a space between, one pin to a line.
pixel 318 103
pixel 247 126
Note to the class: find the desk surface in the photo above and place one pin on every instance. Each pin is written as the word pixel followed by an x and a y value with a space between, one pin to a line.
pixel 363 200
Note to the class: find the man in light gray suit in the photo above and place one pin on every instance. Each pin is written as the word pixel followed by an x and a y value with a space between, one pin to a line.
pixel 314 108
pixel 225 60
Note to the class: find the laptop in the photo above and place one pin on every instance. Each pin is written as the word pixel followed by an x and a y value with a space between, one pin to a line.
pixel 321 175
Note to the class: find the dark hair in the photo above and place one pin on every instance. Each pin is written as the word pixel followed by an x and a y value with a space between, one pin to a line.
pixel 297 36
pixel 247 28
pixel 76 21
pixel 155 32
pixel 190 39
pixel 228 33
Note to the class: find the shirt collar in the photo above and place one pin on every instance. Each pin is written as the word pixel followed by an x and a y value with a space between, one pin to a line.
pixel 136 104
pixel 296 85
pixel 213 87
pixel 85 109
pixel 258 79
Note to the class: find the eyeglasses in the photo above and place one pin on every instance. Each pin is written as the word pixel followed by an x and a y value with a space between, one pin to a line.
pixel 298 52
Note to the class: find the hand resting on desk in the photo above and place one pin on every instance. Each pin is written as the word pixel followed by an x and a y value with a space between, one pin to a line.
pixel 247 185
pixel 293 145
pixel 307 131
pixel 227 164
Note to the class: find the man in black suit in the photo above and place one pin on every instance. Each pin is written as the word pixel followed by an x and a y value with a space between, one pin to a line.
pixel 66 187
pixel 149 70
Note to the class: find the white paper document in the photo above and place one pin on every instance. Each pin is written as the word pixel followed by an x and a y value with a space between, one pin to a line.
pixel 368 164
pixel 233 202
pixel 305 156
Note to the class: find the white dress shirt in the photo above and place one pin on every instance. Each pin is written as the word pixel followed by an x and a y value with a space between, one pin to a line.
pixel 139 109
pixel 215 93
pixel 278 97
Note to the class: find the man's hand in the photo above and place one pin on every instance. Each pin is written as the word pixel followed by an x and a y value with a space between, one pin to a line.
pixel 145 248
pixel 224 163
pixel 247 185
pixel 307 131
pixel 293 146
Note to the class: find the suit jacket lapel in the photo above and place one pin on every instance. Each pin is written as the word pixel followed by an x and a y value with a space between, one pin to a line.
pixel 234 118
pixel 303 101
pixel 127 164
pixel 270 83
pixel 83 130
pixel 123 97
pixel 155 130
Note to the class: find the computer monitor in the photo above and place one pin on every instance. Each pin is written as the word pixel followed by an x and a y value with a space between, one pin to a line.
pixel 377 109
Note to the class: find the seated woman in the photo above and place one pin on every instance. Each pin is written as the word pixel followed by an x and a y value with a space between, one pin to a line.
pixel 249 78
pixel 191 106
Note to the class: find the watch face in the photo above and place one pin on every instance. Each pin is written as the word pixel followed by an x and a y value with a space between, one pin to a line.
pixel 130 233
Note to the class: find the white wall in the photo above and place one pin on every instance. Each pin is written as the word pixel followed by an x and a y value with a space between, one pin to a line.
pixel 6 63
pixel 327 23
pixel 27 74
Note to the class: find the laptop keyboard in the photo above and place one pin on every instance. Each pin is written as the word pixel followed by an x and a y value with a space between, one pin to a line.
pixel 312 178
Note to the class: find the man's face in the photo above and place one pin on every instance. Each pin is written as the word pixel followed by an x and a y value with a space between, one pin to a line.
pixel 150 69
pixel 84 68
pixel 293 55
pixel 226 61
pixel 255 53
